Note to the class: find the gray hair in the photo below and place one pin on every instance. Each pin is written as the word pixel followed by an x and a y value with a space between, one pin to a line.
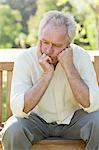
pixel 58 18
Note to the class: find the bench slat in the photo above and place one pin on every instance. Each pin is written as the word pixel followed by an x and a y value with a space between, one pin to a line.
pixel 0 97
pixel 8 66
pixel 9 77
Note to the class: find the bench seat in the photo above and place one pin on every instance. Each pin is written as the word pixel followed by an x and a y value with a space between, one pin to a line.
pixel 57 145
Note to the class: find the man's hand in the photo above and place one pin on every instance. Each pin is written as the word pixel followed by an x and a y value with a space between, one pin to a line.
pixel 66 57
pixel 46 64
pixel 78 86
pixel 32 96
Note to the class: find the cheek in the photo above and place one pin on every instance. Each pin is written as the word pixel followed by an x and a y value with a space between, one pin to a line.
pixel 43 48
pixel 57 51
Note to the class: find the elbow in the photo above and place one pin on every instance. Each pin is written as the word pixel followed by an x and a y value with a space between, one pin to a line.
pixel 86 104
pixel 17 105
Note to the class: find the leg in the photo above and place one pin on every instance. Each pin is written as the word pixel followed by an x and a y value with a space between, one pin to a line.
pixel 20 133
pixel 84 126
pixel 90 130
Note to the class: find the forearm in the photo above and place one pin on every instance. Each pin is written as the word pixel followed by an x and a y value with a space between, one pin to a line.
pixel 78 86
pixel 34 95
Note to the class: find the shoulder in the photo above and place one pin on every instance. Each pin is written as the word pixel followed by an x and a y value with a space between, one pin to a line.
pixel 79 54
pixel 26 54
pixel 81 58
pixel 26 57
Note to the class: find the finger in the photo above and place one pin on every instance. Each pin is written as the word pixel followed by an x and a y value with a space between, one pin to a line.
pixel 44 55
pixel 62 52
pixel 69 48
pixel 48 59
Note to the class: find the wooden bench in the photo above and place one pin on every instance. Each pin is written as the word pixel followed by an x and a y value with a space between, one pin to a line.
pixel 44 144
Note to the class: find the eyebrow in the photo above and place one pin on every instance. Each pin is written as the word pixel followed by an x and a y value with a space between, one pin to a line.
pixel 57 44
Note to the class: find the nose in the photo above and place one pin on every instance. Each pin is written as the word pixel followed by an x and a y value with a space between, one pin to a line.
pixel 49 49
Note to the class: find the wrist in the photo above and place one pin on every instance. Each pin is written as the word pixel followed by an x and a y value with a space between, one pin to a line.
pixel 48 75
pixel 72 72
pixel 69 69
pixel 69 66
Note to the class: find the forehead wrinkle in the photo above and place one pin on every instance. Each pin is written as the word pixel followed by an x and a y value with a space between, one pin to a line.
pixel 50 30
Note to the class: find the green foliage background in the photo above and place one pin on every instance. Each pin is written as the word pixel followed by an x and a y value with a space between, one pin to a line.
pixel 10 26
pixel 20 21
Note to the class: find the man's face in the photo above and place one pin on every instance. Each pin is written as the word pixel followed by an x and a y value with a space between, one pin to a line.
pixel 53 40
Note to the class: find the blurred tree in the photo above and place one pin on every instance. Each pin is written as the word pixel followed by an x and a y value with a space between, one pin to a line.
pixel 87 28
pixel 26 8
pixel 83 16
pixel 33 23
pixel 95 7
pixel 10 26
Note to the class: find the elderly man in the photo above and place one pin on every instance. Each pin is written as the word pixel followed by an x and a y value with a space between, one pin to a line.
pixel 54 89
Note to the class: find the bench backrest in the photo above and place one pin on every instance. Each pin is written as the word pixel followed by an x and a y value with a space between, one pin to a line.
pixel 8 67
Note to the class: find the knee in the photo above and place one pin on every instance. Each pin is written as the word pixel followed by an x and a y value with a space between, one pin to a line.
pixel 93 123
pixel 91 127
pixel 12 129
pixel 95 119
